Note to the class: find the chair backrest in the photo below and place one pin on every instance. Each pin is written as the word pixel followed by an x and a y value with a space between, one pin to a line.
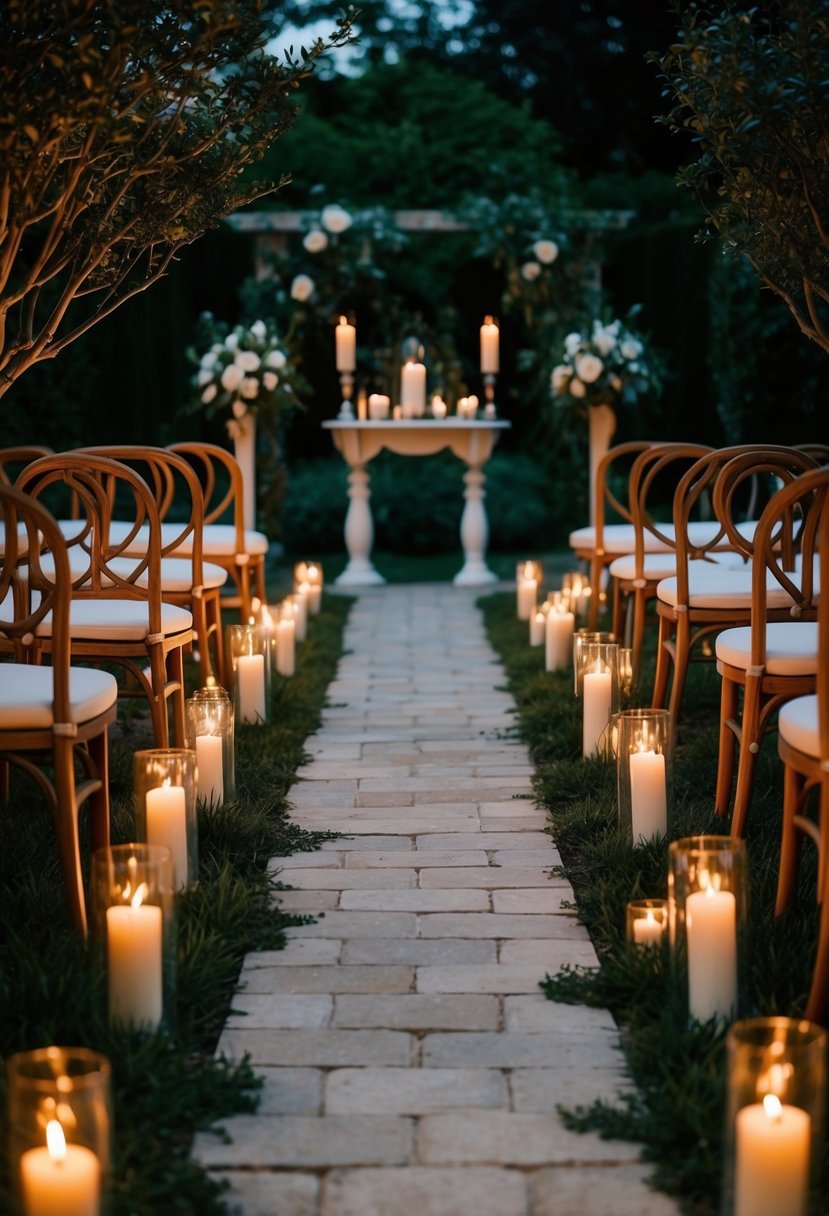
pixel 31 532
pixel 659 465
pixel 611 474
pixel 96 482
pixel 222 485
pixel 12 460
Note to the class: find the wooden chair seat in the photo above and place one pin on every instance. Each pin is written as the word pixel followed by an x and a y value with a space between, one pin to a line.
pixel 119 621
pixel 27 696
pixel 797 725
pixel 791 648
pixel 718 588
pixel 621 538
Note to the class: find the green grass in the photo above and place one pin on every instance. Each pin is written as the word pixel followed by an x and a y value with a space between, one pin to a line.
pixel 52 988
pixel 679 1069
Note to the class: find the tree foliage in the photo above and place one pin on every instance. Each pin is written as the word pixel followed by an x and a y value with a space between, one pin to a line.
pixel 751 87
pixel 124 129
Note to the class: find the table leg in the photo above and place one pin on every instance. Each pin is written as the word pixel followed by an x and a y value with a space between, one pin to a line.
pixel 474 533
pixel 359 533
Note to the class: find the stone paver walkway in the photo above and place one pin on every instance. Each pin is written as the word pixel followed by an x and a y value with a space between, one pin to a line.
pixel 411 1065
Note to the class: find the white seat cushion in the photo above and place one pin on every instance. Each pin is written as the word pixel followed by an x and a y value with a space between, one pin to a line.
pixel 22 538
pixel 797 724
pixel 721 588
pixel 658 565
pixel 117 620
pixel 621 538
pixel 176 572
pixel 791 647
pixel 218 540
pixel 26 695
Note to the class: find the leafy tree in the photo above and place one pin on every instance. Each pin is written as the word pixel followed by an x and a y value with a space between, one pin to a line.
pixel 749 84
pixel 125 128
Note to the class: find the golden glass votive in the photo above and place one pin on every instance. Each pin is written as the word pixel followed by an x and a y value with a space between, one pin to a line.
pixel 211 735
pixel 774 1117
pixel 599 692
pixel 133 917
pixel 646 922
pixel 248 650
pixel 625 670
pixel 576 589
pixel 707 889
pixel 310 573
pixel 60 1120
pixel 528 577
pixel 164 794
pixel 580 640
pixel 644 772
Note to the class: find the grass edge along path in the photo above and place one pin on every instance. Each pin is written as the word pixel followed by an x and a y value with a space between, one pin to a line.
pixel 53 989
pixel 676 1111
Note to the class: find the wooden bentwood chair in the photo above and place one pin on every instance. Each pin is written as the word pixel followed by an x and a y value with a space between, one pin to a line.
pixel 55 714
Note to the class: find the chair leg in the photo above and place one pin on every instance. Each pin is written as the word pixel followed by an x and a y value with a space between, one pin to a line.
pixel 175 674
pixel 682 656
pixel 99 801
pixel 790 840
pixel 660 680
pixel 65 814
pixel 158 702
pixel 640 608
pixel 729 700
pixel 199 609
pixel 747 762
pixel 619 608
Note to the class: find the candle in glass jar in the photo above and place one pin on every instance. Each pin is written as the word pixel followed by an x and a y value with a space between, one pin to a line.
pixel 250 676
pixel 597 698
pixel 489 347
pixel 413 389
pixel 438 407
pixel 648 795
pixel 771 1166
pixel 558 639
pixel 167 825
pixel 537 626
pixel 647 930
pixel 286 646
pixel 711 927
pixel 134 960
pixel 346 338
pixel 60 1179
pixel 209 763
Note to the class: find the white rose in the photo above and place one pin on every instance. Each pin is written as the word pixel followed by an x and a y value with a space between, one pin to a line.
pixel 315 240
pixel 250 388
pixel 208 394
pixel 335 218
pixel 302 288
pixel 232 377
pixel 545 251
pixel 577 389
pixel 259 330
pixel 275 359
pixel 217 348
pixel 630 348
pixel 560 376
pixel 604 341
pixel 572 343
pixel 231 341
pixel 588 367
pixel 239 409
pixel 530 271
pixel 270 381
pixel 248 360
pixel 208 359
pixel 204 377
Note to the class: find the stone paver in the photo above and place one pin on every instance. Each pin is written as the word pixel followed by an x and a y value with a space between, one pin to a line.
pixel 410 1063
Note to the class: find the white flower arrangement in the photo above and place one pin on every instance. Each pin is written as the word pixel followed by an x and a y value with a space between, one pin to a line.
pixel 243 368
pixel 604 365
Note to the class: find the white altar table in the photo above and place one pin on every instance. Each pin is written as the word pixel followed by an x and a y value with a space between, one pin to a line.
pixel 359 442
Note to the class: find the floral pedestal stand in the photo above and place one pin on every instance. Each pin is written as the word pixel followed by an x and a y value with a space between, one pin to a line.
pixel 242 430
pixel 359 442
pixel 602 428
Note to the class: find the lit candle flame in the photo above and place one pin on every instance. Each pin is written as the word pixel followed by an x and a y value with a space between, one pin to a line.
pixel 140 895
pixel 529 569
pixel 55 1140
pixel 773 1106
pixel 343 321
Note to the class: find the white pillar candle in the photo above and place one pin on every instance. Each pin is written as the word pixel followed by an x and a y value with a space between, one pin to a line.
pixel 286 646
pixel 314 596
pixel 648 795
pixel 60 1179
pixel 438 407
pixel 300 602
pixel 397 413
pixel 134 958
pixel 210 765
pixel 525 592
pixel 413 390
pixel 378 407
pixel 537 625
pixel 489 347
pixel 346 338
pixel 596 696
pixel 711 928
pixel 250 674
pixel 559 628
pixel 771 1167
pixel 167 825
pixel 647 930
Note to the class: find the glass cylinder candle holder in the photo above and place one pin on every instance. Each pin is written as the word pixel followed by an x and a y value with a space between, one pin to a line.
pixel 625 670
pixel 577 591
pixel 164 792
pixel 707 887
pixel 60 1120
pixel 600 692
pixel 580 640
pixel 528 577
pixel 133 918
pixel 647 922
pixel 248 649
pixel 310 573
pixel 283 641
pixel 537 627
pixel 210 734
pixel 558 634
pixel 774 1117
pixel 644 772
pixel 296 605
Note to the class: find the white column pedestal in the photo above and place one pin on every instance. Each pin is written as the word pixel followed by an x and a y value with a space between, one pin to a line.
pixel 359 533
pixel 474 533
